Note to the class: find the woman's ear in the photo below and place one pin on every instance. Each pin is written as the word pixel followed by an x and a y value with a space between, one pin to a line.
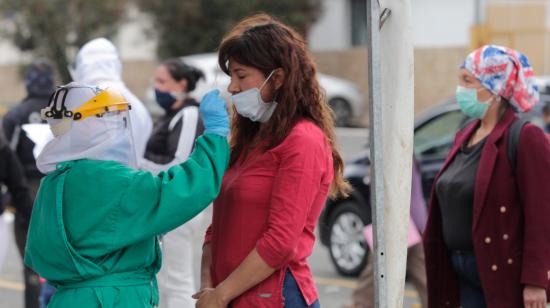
pixel 278 78
pixel 183 84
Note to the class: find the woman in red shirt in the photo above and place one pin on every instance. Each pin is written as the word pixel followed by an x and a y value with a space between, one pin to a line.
pixel 283 165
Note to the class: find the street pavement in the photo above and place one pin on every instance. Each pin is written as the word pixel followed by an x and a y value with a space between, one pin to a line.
pixel 333 289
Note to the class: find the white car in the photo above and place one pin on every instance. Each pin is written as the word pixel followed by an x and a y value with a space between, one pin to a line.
pixel 346 100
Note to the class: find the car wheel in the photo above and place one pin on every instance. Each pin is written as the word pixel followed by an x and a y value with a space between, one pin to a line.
pixel 342 111
pixel 347 245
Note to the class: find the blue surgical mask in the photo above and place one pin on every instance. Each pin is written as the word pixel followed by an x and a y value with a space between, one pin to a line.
pixel 249 104
pixel 469 104
pixel 165 99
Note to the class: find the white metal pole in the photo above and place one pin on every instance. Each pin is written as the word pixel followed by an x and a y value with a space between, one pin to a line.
pixel 376 154
pixel 391 81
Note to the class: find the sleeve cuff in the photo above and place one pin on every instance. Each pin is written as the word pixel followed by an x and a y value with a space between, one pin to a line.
pixel 271 256
pixel 535 276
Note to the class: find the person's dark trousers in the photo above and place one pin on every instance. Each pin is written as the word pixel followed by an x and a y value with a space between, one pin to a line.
pixel 32 280
pixel 293 296
pixel 471 291
pixel 46 294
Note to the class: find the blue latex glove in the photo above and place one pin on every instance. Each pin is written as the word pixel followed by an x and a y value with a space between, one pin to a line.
pixel 214 114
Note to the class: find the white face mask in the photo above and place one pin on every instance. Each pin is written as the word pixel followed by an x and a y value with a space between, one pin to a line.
pixel 249 104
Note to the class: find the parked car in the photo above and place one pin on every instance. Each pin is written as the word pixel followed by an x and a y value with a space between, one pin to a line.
pixel 342 222
pixel 345 99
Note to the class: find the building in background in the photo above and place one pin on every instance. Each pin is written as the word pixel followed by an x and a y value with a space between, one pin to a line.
pixel 523 25
pixel 437 23
pixel 441 30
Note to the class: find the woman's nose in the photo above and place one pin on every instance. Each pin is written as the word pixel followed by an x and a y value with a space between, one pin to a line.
pixel 233 88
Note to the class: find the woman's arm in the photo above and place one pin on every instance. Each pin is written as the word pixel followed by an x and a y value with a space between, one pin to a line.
pixel 249 273
pixel 533 180
pixel 252 271
pixel 206 262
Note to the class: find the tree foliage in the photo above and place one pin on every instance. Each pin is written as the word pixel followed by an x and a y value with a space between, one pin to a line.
pixel 55 29
pixel 196 26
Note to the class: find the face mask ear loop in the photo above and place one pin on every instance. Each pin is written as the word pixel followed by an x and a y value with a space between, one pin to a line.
pixel 490 99
pixel 267 79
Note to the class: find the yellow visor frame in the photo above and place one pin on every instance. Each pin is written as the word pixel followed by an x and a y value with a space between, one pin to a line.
pixel 107 100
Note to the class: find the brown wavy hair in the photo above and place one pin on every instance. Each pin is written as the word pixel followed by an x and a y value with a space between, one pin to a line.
pixel 267 44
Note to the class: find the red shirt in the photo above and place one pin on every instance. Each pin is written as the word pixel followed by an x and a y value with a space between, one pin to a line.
pixel 271 201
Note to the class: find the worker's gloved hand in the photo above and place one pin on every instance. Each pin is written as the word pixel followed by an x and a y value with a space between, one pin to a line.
pixel 214 114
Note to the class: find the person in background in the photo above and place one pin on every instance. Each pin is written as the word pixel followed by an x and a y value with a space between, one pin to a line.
pixel 97 63
pixel 284 164
pixel 40 84
pixel 175 132
pixel 363 295
pixel 487 239
pixel 12 175
pixel 171 143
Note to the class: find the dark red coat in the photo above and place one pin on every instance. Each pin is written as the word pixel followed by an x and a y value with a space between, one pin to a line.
pixel 511 220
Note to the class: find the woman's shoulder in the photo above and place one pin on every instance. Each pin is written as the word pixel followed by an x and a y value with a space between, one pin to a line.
pixel 305 135
pixel 307 130
pixel 532 135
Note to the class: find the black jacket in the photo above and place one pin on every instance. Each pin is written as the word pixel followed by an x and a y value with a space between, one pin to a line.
pixel 28 111
pixel 11 175
pixel 167 136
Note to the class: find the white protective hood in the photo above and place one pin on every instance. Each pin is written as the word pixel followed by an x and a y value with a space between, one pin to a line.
pixel 104 138
pixel 97 63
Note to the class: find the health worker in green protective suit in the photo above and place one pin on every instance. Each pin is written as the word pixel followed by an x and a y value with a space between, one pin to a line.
pixel 94 227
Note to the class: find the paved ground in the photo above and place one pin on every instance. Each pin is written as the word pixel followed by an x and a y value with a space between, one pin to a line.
pixel 334 290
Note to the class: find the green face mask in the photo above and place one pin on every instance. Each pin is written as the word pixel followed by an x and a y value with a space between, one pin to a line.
pixel 469 104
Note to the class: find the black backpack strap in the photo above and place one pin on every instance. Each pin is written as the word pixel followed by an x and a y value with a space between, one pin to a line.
pixel 513 140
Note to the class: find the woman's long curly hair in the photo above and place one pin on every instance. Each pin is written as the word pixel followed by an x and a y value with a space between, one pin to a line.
pixel 266 44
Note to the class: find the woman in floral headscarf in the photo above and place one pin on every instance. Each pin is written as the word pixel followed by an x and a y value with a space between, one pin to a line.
pixel 487 240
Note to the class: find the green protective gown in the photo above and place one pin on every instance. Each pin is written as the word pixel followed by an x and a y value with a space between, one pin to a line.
pixel 94 227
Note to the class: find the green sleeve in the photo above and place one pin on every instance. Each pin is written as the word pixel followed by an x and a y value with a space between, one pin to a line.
pixel 154 205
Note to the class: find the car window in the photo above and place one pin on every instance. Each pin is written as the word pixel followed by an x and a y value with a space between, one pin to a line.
pixel 435 137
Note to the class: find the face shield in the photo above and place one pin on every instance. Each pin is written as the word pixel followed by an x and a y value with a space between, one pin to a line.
pixel 88 123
